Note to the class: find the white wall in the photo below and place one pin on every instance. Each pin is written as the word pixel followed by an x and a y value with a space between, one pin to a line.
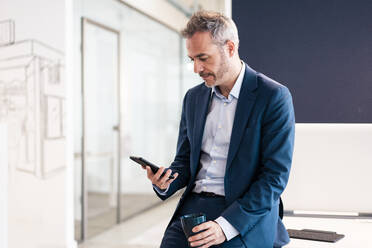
pixel 3 186
pixel 69 179
pixel 36 202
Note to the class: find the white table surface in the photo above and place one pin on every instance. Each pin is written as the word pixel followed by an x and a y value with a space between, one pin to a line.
pixel 358 232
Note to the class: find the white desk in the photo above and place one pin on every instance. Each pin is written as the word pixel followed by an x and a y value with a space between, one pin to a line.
pixel 358 232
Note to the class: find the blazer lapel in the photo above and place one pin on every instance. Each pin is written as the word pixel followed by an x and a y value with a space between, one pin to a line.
pixel 201 110
pixel 243 109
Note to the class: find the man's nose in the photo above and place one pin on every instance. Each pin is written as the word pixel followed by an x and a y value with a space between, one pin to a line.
pixel 198 67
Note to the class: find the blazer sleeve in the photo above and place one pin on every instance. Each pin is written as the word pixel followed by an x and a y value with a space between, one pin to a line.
pixel 181 163
pixel 276 149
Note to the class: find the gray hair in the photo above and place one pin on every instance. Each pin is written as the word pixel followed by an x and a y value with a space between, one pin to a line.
pixel 220 27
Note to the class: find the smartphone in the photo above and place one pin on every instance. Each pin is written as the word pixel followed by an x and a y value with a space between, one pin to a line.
pixel 153 167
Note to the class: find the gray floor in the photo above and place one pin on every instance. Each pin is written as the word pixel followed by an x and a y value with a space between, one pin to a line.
pixel 101 216
pixel 143 231
pixel 146 231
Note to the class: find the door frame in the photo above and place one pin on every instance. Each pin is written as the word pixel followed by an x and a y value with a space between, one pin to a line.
pixel 84 195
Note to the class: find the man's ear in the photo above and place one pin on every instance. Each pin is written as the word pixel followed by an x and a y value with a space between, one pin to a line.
pixel 230 47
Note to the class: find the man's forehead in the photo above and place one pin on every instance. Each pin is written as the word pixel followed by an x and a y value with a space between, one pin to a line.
pixel 200 44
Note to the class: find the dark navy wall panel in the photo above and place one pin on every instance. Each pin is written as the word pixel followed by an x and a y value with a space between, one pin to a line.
pixel 320 49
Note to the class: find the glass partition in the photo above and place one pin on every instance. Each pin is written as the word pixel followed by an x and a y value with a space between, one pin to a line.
pixel 150 103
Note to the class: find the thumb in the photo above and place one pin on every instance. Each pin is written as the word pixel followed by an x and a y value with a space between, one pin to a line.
pixel 150 174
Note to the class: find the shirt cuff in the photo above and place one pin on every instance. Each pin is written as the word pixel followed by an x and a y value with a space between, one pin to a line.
pixel 160 191
pixel 229 231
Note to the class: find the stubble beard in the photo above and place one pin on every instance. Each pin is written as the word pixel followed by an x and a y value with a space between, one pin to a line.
pixel 223 68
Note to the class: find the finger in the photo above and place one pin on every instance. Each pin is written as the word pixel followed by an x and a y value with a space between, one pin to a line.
pixel 209 244
pixel 158 174
pixel 200 236
pixel 171 180
pixel 150 174
pixel 203 226
pixel 164 178
pixel 207 240
pixel 168 182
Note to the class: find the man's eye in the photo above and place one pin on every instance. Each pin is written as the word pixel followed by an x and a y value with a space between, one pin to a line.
pixel 203 59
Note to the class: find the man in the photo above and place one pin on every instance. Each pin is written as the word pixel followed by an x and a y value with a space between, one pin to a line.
pixel 234 148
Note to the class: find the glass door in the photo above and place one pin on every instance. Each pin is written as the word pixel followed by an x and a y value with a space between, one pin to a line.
pixel 101 122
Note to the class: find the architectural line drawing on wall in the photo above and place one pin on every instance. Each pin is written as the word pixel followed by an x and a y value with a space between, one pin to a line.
pixel 32 102
pixel 7 32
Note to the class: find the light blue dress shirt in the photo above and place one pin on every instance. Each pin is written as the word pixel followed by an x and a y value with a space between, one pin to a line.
pixel 216 139
pixel 215 147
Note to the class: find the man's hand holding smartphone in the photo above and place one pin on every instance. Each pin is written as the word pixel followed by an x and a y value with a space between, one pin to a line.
pixel 162 182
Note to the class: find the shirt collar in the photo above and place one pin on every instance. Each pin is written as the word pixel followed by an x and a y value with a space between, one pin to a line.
pixel 236 88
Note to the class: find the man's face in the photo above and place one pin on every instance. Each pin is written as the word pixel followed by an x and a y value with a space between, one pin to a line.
pixel 210 61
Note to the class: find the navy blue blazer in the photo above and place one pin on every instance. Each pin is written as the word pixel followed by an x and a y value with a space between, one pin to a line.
pixel 259 157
